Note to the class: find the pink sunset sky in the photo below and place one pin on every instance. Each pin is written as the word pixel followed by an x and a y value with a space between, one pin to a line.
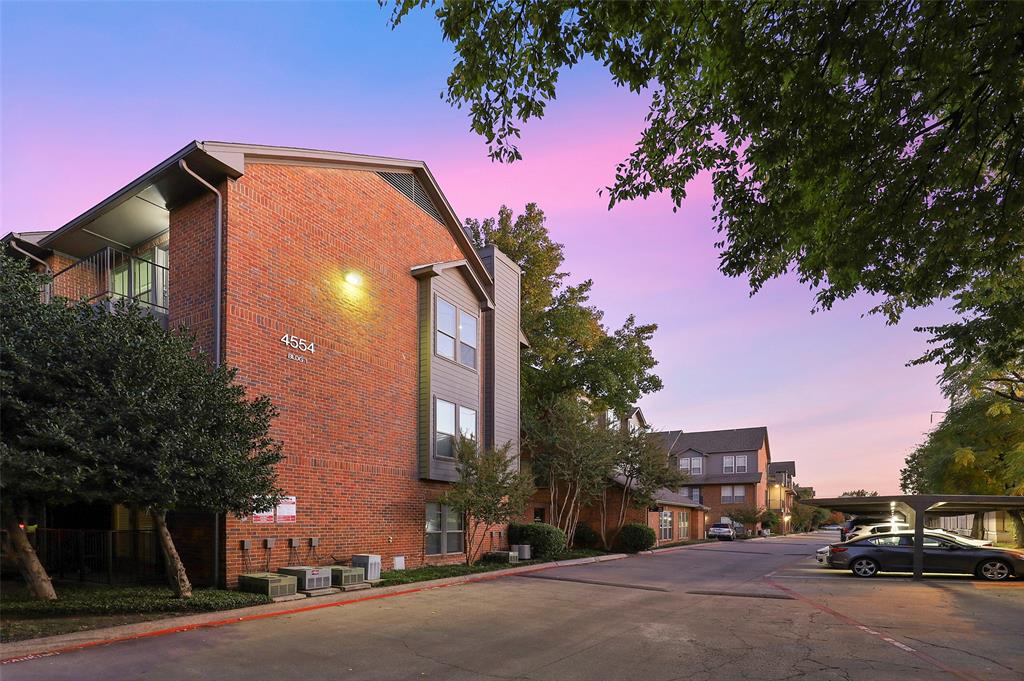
pixel 95 94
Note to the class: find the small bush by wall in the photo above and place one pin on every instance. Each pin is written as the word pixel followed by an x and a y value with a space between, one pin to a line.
pixel 585 537
pixel 636 537
pixel 547 540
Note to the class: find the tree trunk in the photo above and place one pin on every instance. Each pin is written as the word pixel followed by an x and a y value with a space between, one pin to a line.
pixel 176 575
pixel 32 571
pixel 1017 518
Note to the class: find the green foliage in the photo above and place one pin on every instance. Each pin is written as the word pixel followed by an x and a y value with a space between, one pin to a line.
pixel 50 449
pixel 98 600
pixel 806 518
pixel 571 352
pixel 870 147
pixel 771 520
pixel 489 490
pixel 429 572
pixel 546 540
pixel 636 537
pixel 644 467
pixel 585 536
pixel 746 514
pixel 860 493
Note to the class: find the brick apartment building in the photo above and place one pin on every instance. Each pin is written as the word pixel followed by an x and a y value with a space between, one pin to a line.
pixel 731 468
pixel 350 295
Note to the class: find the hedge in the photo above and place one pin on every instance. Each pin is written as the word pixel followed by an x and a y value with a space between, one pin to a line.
pixel 547 541
pixel 636 537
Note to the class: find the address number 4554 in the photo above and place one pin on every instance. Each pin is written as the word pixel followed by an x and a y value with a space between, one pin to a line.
pixel 298 343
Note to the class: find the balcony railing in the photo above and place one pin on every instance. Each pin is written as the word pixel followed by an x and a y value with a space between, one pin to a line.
pixel 108 276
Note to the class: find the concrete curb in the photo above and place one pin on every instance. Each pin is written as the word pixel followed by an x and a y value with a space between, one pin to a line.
pixel 20 651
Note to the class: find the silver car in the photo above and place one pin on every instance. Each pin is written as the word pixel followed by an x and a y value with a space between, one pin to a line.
pixel 894 552
pixel 721 531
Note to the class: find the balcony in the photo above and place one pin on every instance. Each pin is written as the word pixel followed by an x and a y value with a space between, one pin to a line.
pixel 108 275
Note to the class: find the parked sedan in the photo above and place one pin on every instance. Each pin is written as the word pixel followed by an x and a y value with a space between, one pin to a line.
pixel 721 531
pixel 894 552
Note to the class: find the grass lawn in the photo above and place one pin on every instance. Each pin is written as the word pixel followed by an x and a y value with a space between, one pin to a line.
pixel 685 542
pixel 91 606
pixel 423 574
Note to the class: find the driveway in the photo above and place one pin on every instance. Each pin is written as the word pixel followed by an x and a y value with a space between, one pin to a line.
pixel 758 609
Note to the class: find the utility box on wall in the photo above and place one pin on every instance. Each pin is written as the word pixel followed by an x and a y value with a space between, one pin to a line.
pixel 370 564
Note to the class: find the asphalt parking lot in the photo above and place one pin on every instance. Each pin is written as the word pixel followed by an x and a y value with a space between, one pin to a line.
pixel 758 609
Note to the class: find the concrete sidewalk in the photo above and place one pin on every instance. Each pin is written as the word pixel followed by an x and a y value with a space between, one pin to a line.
pixel 42 647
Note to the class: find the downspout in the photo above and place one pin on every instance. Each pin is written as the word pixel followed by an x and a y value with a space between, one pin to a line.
pixel 218 274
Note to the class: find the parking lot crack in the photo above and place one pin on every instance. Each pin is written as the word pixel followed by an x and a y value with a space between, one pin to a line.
pixel 961 650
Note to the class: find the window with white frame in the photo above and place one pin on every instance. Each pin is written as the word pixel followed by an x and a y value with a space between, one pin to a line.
pixel 450 419
pixel 728 464
pixel 741 463
pixel 665 526
pixel 693 466
pixel 467 339
pixel 443 530
pixel 467 423
pixel 684 524
pixel 684 465
pixel 445 327
pixel 734 494
pixel 695 494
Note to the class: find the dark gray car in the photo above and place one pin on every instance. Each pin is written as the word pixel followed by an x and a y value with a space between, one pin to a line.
pixel 894 552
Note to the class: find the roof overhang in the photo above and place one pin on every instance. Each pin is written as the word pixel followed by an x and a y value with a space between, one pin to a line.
pixel 435 269
pixel 141 209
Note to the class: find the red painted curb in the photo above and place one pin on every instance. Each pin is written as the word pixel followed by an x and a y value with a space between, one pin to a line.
pixel 267 615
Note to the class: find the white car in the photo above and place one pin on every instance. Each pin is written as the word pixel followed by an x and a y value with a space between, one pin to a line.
pixel 721 531
pixel 821 555
pixel 865 530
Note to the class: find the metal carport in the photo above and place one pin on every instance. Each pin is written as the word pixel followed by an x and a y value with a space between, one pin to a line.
pixel 915 507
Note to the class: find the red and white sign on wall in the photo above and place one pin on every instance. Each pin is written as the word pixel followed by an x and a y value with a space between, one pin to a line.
pixel 286 510
pixel 263 517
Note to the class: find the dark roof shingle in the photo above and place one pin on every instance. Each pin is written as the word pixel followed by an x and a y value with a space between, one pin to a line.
pixel 713 441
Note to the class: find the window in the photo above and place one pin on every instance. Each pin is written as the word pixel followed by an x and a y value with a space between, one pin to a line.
pixel 695 494
pixel 467 423
pixel 665 526
pixel 444 344
pixel 693 466
pixel 538 514
pixel 444 429
pixel 728 464
pixel 684 524
pixel 884 541
pixel 443 530
pixel 741 464
pixel 734 494
pixel 611 419
pixel 457 334
pixel 467 339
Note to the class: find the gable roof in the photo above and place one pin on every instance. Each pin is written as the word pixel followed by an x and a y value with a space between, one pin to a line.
pixel 147 199
pixel 714 441
pixel 783 467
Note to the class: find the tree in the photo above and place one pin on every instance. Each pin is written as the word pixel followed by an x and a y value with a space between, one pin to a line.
pixel 978 448
pixel 572 453
pixel 747 515
pixel 488 492
pixel 177 432
pixel 860 493
pixel 869 147
pixel 642 468
pixel 47 433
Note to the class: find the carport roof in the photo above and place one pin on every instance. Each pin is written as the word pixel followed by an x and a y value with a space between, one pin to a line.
pixel 935 504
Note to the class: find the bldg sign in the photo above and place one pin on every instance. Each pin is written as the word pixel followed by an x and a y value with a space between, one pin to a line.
pixel 286 510
pixel 263 518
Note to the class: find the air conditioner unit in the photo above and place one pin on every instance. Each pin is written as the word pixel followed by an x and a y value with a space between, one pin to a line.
pixel 370 563
pixel 342 575
pixel 502 557
pixel 267 583
pixel 309 578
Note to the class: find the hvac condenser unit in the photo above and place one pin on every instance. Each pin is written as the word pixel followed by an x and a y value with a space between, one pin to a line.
pixel 309 578
pixel 370 563
pixel 502 557
pixel 267 583
pixel 342 575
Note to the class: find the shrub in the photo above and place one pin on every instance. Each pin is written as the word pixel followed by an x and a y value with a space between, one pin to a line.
pixel 547 540
pixel 636 537
pixel 585 536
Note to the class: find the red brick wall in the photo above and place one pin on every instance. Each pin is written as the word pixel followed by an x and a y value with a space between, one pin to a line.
pixel 348 415
pixel 713 499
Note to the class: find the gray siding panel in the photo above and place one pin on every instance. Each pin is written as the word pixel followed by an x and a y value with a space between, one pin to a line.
pixel 449 380
pixel 502 369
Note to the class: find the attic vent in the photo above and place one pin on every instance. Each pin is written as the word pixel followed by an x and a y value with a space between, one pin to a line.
pixel 408 184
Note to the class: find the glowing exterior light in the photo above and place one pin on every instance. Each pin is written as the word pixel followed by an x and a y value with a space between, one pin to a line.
pixel 354 279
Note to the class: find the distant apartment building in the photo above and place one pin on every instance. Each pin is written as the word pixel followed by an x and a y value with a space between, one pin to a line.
pixel 731 468
pixel 343 287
